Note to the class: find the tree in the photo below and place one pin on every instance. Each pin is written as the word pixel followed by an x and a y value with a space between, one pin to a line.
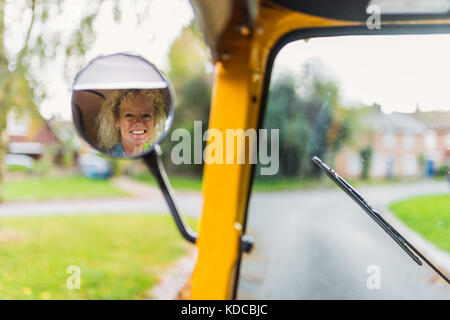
pixel 34 47
pixel 366 160
pixel 283 113
pixel 189 65
pixel 310 116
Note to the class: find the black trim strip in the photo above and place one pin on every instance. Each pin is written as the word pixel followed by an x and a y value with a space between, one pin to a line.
pixel 351 10
pixel 79 123
pixel 96 93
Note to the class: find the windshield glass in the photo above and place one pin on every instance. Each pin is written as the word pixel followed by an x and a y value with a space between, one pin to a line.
pixel 375 109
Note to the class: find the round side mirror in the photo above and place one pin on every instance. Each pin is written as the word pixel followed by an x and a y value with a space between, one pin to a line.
pixel 122 105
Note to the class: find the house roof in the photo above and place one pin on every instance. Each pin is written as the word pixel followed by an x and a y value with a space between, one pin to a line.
pixel 395 122
pixel 438 120
pixel 31 127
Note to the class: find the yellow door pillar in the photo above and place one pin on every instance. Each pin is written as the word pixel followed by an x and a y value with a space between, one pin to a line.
pixel 235 105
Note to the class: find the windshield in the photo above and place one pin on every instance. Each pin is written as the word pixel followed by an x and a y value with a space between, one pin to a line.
pixel 376 110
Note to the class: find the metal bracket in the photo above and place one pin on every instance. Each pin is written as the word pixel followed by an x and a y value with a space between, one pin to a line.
pixel 246 244
pixel 154 164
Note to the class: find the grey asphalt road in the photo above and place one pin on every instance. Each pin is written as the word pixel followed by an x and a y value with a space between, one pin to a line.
pixel 318 244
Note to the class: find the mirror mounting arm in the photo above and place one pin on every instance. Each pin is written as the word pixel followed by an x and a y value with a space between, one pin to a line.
pixel 154 164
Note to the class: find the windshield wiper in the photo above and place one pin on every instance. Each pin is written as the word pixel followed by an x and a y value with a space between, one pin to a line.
pixel 402 242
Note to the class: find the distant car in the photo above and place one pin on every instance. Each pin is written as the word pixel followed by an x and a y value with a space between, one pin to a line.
pixel 95 166
pixel 20 161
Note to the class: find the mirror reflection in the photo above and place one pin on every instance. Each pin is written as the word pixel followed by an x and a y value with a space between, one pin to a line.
pixel 130 121
pixel 121 105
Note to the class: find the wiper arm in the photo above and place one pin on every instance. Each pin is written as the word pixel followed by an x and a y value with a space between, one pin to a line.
pixel 390 230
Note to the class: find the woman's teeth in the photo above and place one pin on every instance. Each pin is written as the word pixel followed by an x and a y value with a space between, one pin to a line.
pixel 138 132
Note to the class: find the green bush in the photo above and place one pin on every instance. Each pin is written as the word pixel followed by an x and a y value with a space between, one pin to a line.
pixel 44 166
pixel 366 158
pixel 443 169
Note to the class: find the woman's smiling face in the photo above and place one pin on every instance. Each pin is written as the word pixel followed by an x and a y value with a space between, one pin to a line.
pixel 136 121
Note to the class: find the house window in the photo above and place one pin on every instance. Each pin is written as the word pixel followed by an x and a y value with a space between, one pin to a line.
pixel 354 164
pixel 26 147
pixel 408 141
pixel 378 166
pixel 17 126
pixel 430 140
pixel 389 140
pixel 447 141
pixel 410 165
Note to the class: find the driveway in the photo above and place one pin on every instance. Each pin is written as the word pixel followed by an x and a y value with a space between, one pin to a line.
pixel 319 244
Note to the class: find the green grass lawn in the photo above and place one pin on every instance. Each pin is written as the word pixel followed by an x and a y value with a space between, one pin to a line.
pixel 120 256
pixel 177 182
pixel 69 187
pixel 195 183
pixel 265 185
pixel 271 185
pixel 428 215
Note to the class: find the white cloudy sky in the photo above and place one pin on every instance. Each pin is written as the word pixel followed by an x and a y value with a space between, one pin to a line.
pixel 397 72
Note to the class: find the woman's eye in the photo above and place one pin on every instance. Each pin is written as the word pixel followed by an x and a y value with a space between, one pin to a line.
pixel 128 115
pixel 147 116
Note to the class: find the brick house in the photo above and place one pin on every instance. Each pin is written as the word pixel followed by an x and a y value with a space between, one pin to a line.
pixel 403 145
pixel 439 123
pixel 31 135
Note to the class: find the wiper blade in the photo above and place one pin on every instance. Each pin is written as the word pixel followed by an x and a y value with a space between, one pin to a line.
pixel 390 230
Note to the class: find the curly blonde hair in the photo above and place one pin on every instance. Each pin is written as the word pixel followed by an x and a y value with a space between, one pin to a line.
pixel 107 133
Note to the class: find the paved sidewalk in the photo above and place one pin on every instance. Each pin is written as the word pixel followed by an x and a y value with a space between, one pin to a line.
pixel 175 279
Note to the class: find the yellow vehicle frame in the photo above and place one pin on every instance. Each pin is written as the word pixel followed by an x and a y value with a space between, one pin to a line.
pixel 241 55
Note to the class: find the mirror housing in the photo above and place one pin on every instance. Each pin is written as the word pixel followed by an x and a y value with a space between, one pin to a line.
pixel 122 105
